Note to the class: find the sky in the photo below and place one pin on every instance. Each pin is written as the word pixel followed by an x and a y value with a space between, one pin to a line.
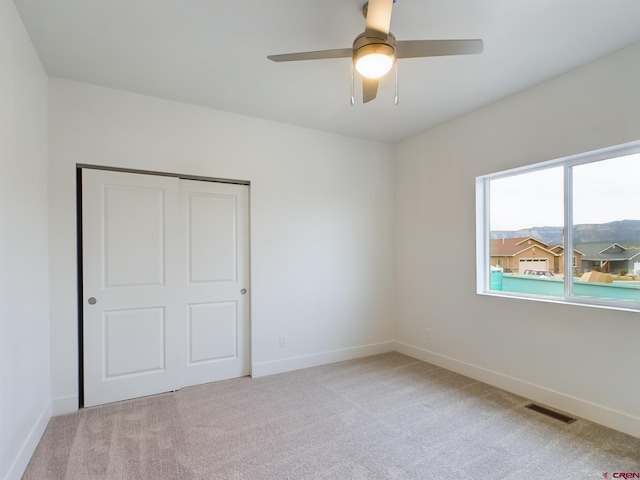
pixel 604 191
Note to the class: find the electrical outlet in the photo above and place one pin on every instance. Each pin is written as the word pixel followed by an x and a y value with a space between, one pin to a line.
pixel 283 341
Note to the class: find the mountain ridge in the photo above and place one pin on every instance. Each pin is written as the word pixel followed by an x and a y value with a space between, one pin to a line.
pixel 624 232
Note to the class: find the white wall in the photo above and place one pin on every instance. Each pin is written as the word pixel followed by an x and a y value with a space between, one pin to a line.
pixel 585 360
pixel 25 398
pixel 321 220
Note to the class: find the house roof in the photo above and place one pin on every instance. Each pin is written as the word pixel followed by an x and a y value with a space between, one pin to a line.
pixel 508 247
pixel 559 249
pixel 607 251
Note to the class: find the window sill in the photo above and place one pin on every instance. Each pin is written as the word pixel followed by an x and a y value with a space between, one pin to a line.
pixel 563 301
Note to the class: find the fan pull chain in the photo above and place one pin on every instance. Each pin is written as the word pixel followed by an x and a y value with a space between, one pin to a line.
pixel 396 99
pixel 353 100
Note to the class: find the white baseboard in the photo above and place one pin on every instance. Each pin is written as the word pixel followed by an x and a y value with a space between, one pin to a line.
pixel 296 363
pixel 25 453
pixel 608 417
pixel 64 405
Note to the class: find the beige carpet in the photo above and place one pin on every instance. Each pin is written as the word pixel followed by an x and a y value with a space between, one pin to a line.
pixel 382 417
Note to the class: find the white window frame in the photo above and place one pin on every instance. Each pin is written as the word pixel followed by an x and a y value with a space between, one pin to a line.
pixel 483 231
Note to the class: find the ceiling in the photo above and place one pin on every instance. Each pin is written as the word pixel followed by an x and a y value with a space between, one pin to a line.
pixel 213 53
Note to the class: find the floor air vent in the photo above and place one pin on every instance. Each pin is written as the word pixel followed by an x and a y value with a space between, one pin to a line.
pixel 550 413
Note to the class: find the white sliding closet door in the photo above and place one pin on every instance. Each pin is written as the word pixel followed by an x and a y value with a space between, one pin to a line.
pixel 164 264
pixel 216 230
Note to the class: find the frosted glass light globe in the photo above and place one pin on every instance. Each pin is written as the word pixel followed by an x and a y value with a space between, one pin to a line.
pixel 374 65
pixel 374 60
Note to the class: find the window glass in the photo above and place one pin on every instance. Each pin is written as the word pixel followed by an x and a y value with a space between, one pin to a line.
pixel 606 213
pixel 525 248
pixel 526 218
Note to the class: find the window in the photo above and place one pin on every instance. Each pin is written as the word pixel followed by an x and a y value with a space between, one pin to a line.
pixel 567 229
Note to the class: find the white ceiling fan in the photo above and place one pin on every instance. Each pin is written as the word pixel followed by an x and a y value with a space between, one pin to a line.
pixel 375 51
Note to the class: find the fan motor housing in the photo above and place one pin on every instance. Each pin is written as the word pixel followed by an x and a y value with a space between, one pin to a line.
pixel 363 44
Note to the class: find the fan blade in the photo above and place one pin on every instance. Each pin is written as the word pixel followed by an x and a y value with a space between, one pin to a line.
pixel 378 19
pixel 318 55
pixel 435 48
pixel 369 89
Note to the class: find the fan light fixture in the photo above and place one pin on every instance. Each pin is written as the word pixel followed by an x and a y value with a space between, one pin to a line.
pixel 374 60
pixel 375 51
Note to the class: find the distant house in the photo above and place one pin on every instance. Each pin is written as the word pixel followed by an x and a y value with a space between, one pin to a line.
pixel 519 254
pixel 608 257
pixel 576 263
pixel 527 253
